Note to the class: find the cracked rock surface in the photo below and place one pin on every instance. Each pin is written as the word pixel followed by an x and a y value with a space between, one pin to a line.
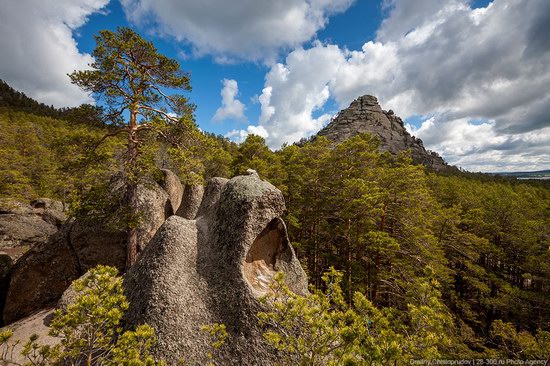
pixel 213 269
pixel 41 275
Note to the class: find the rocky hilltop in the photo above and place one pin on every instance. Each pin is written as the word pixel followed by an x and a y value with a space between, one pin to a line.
pixel 364 115
pixel 210 265
pixel 213 268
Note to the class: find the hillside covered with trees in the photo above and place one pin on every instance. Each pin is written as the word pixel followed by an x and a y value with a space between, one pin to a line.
pixel 380 220
pixel 405 263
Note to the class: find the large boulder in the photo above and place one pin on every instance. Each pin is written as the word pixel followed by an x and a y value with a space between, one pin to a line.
pixel 192 198
pixel 23 226
pixel 173 187
pixel 20 232
pixel 95 243
pixel 214 269
pixel 42 274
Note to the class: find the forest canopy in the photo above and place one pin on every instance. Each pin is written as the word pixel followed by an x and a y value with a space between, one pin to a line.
pixel 379 220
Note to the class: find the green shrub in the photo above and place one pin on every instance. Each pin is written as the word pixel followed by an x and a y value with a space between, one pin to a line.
pixel 90 329
pixel 322 329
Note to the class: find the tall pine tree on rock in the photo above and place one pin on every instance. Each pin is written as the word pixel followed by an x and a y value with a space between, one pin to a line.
pixel 139 87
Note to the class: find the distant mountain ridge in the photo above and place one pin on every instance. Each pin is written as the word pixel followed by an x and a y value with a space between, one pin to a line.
pixel 539 174
pixel 19 101
pixel 14 100
pixel 364 115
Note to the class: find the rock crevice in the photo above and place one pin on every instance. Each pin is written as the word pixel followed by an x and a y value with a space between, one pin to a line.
pixel 213 270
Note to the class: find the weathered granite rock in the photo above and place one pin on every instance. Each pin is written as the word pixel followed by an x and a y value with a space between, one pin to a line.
pixel 69 295
pixel 42 274
pixel 214 269
pixel 172 185
pixel 23 230
pixel 155 207
pixel 9 206
pixel 364 115
pixel 36 323
pixel 192 197
pixel 52 211
pixel 25 225
pixel 94 244
pixel 211 195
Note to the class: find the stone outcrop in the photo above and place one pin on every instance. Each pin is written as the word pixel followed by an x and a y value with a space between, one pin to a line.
pixel 36 323
pixel 214 269
pixel 173 187
pixel 364 115
pixel 52 211
pixel 211 195
pixel 23 226
pixel 41 275
pixel 192 197
pixel 155 207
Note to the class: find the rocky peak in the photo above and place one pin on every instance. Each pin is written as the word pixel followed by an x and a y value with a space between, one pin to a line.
pixel 364 115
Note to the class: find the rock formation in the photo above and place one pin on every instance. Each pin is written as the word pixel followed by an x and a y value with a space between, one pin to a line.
pixel 364 115
pixel 41 275
pixel 192 197
pixel 52 211
pixel 213 270
pixel 23 226
pixel 172 185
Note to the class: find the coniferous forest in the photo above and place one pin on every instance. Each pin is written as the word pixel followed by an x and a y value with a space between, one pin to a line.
pixel 472 249
pixel 274 183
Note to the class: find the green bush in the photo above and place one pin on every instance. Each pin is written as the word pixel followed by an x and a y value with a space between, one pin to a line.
pixel 322 329
pixel 90 329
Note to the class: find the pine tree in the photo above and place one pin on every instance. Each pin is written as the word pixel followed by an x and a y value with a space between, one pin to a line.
pixel 132 77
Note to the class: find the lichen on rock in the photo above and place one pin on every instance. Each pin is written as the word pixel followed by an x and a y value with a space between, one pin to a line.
pixel 214 269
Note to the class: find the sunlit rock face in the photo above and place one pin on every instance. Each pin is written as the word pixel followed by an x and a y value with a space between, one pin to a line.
pixel 214 269
pixel 364 115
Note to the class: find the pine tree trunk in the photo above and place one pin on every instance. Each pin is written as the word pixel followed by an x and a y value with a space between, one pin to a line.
pixel 131 249
pixel 131 192
pixel 132 238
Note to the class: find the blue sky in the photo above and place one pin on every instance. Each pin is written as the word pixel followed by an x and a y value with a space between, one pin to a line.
pixel 349 29
pixel 471 78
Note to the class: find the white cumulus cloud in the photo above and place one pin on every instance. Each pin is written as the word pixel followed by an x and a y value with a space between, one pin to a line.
pixel 231 107
pixel 297 89
pixel 242 29
pixel 433 58
pixel 240 135
pixel 479 147
pixel 38 47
